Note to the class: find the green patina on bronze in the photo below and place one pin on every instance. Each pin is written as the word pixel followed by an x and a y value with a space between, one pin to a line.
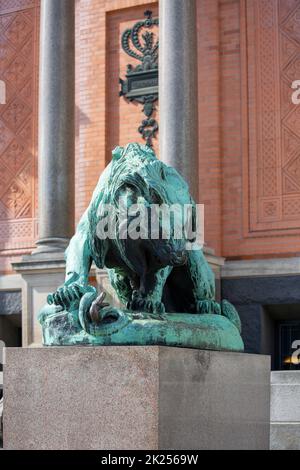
pixel 169 292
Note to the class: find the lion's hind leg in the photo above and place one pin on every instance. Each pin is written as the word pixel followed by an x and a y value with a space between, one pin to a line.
pixel 203 283
pixel 148 298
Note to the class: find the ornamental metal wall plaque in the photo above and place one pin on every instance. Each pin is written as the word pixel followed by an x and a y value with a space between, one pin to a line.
pixel 141 84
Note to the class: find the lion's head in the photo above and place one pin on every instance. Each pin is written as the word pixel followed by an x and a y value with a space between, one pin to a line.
pixel 137 182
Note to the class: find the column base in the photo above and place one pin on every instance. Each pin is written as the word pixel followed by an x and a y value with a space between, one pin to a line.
pixel 51 245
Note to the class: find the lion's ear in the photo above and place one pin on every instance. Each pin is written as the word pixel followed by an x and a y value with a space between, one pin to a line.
pixel 117 153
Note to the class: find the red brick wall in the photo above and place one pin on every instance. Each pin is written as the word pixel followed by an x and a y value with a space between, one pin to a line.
pixel 230 112
pixel 122 117
pixel 105 120
pixel 210 166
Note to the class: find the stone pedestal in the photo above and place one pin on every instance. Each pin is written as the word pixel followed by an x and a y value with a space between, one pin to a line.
pixel 135 398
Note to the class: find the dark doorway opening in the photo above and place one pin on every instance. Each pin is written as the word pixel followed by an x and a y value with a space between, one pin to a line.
pixel 280 335
pixel 287 357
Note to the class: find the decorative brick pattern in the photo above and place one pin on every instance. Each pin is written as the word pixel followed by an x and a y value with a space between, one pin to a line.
pixel 19 32
pixel 274 157
pixel 15 5
pixel 258 214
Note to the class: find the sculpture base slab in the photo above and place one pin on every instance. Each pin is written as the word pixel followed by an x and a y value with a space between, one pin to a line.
pixel 200 331
pixel 138 397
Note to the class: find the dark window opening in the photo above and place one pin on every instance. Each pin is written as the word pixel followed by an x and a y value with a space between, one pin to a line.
pixel 280 335
pixel 288 345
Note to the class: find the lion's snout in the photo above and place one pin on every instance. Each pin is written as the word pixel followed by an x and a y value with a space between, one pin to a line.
pixel 178 258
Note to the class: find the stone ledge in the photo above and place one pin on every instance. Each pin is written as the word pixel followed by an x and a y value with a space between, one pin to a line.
pixel 261 267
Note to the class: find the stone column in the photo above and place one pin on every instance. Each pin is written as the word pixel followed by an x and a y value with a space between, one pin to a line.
pixel 56 125
pixel 178 95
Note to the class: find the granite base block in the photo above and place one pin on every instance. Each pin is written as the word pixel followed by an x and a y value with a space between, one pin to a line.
pixel 285 410
pixel 135 398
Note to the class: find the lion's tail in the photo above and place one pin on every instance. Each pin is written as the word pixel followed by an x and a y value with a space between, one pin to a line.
pixel 229 311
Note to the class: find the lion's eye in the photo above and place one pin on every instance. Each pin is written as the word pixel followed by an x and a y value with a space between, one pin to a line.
pixel 156 199
pixel 130 187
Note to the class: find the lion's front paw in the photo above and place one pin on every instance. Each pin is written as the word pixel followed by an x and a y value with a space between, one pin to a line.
pixel 68 294
pixel 142 304
pixel 208 306
pixel 206 290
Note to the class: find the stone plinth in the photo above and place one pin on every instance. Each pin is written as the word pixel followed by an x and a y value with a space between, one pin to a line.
pixel 135 398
